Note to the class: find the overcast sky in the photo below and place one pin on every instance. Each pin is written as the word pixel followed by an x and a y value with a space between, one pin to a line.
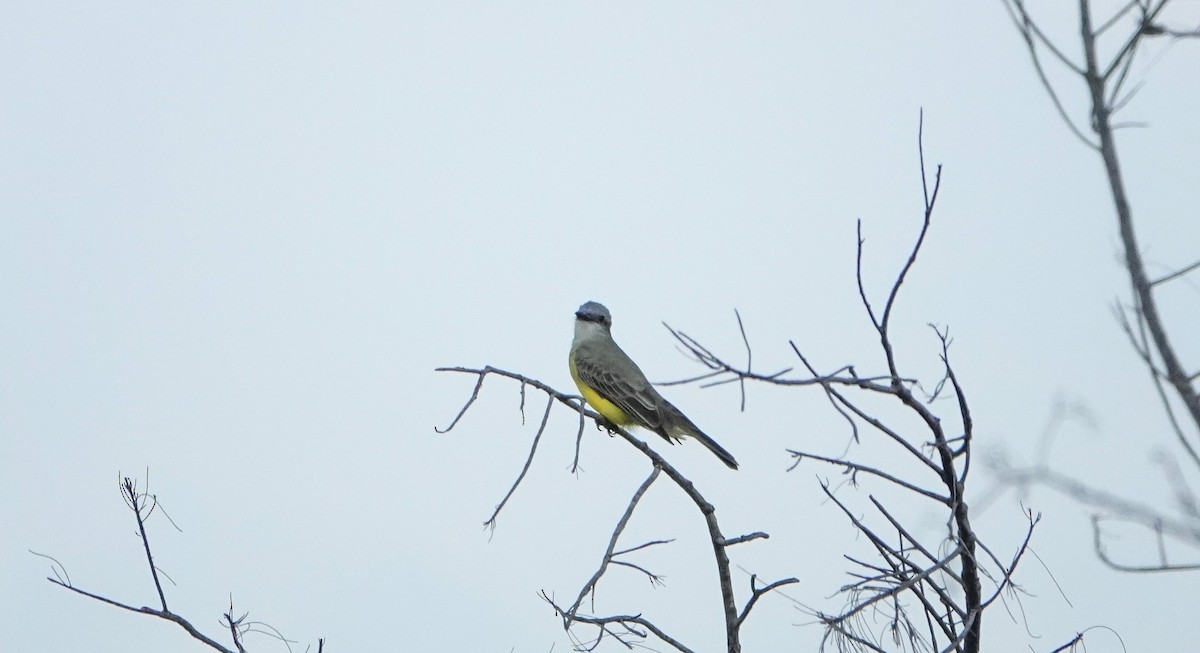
pixel 237 238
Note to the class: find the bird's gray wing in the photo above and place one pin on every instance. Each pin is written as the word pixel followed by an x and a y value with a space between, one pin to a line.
pixel 620 381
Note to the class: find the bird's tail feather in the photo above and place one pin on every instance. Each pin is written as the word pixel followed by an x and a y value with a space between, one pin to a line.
pixel 682 426
pixel 717 449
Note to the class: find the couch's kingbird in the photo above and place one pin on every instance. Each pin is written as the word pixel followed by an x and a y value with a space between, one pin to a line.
pixel 612 384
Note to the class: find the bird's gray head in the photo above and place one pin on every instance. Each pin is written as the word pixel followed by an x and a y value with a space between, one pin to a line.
pixel 594 312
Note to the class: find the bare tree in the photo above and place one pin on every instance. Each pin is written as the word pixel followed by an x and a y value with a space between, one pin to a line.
pixel 143 505
pixel 920 592
pixel 1108 51
pixel 627 628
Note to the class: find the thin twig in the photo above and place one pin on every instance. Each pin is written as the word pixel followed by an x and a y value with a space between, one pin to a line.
pixel 756 593
pixel 491 521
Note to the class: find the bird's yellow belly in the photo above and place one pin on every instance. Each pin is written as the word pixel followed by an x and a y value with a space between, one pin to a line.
pixel 603 406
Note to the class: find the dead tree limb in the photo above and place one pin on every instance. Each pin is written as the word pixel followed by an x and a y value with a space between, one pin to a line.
pixel 143 505
pixel 908 585
pixel 629 625
pixel 1108 50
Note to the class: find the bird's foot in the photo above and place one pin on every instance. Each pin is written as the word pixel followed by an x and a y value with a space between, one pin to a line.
pixel 607 425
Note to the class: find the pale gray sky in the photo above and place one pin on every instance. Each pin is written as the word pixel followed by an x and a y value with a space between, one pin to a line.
pixel 236 240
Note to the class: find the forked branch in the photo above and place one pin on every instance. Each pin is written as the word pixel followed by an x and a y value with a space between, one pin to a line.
pixel 629 626
pixel 1109 46
pixel 143 505
pixel 945 590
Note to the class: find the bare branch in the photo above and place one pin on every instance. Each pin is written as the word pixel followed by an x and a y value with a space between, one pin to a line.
pixel 1176 274
pixel 1146 304
pixel 491 521
pixel 1141 345
pixel 143 505
pixel 1116 17
pixel 951 615
pixel 474 396
pixel 644 545
pixel 624 621
pixel 1160 566
pixel 856 467
pixel 930 201
pixel 746 538
pixel 588 587
pixel 1029 30
pixel 757 592
pixel 1126 51
pixel 706 509
pixel 137 503
pixel 1128 510
pixel 862 292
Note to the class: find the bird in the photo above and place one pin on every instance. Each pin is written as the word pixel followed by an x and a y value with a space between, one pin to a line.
pixel 613 384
